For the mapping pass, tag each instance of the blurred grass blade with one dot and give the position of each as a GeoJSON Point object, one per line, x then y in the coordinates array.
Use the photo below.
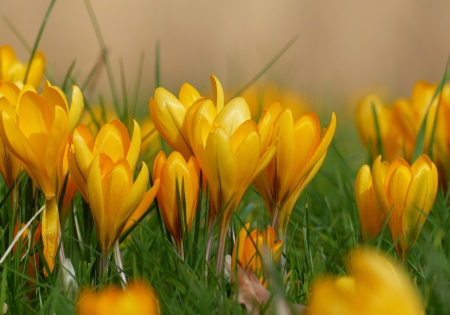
{"type": "Point", "coordinates": [377, 130]}
{"type": "Point", "coordinates": [157, 64]}
{"type": "Point", "coordinates": [104, 54]}
{"type": "Point", "coordinates": [419, 148]}
{"type": "Point", "coordinates": [38, 39]}
{"type": "Point", "coordinates": [267, 67]}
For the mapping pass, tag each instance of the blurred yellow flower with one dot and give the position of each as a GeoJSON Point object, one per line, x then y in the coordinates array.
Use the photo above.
{"type": "Point", "coordinates": [408, 192]}
{"type": "Point", "coordinates": [391, 138]}
{"type": "Point", "coordinates": [138, 298]}
{"type": "Point", "coordinates": [38, 136]}
{"type": "Point", "coordinates": [301, 149]}
{"type": "Point", "coordinates": [371, 215]}
{"type": "Point", "coordinates": [252, 248]}
{"type": "Point", "coordinates": [12, 70]}
{"type": "Point", "coordinates": [175, 176]}
{"type": "Point", "coordinates": [375, 286]}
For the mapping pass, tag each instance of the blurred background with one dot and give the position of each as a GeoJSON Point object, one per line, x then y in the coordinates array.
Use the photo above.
{"type": "Point", "coordinates": [344, 49]}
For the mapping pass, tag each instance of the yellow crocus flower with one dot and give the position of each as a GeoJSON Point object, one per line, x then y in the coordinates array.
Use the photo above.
{"type": "Point", "coordinates": [112, 139]}
{"type": "Point", "coordinates": [113, 197]}
{"type": "Point", "coordinates": [251, 248]}
{"type": "Point", "coordinates": [9, 164]}
{"type": "Point", "coordinates": [375, 286]}
{"type": "Point", "coordinates": [12, 70]}
{"type": "Point", "coordinates": [174, 175]}
{"type": "Point", "coordinates": [169, 116]}
{"type": "Point", "coordinates": [230, 151]}
{"type": "Point", "coordinates": [301, 149]}
{"type": "Point", "coordinates": [138, 298]}
{"type": "Point", "coordinates": [408, 192]}
{"type": "Point", "coordinates": [38, 136]}
{"type": "Point", "coordinates": [371, 215]}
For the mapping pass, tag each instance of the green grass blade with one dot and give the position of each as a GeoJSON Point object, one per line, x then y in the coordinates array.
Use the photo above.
{"type": "Point", "coordinates": [157, 64]}
{"type": "Point", "coordinates": [38, 39]}
{"type": "Point", "coordinates": [267, 67]}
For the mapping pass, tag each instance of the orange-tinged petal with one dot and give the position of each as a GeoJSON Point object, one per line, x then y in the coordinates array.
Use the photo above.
{"type": "Point", "coordinates": [158, 165]}
{"type": "Point", "coordinates": [238, 248]}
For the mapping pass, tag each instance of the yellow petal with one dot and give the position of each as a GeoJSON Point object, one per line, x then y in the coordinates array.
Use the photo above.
{"type": "Point", "coordinates": [16, 142]}
{"type": "Point", "coordinates": [36, 72]}
{"type": "Point", "coordinates": [188, 95]}
{"type": "Point", "coordinates": [247, 158]}
{"type": "Point", "coordinates": [95, 196]}
{"type": "Point", "coordinates": [168, 115]}
{"type": "Point", "coordinates": [135, 146]}
{"type": "Point", "coordinates": [110, 141]}
{"type": "Point", "coordinates": [54, 153]}
{"type": "Point", "coordinates": [11, 92]}
{"type": "Point", "coordinates": [143, 206]}
{"type": "Point", "coordinates": [54, 96]}
{"type": "Point", "coordinates": [133, 198]}
{"type": "Point", "coordinates": [379, 171]}
{"type": "Point", "coordinates": [219, 98]}
{"type": "Point", "coordinates": [220, 168]}
{"type": "Point", "coordinates": [233, 115]}
{"type": "Point", "coordinates": [76, 107]}
{"type": "Point", "coordinates": [50, 231]}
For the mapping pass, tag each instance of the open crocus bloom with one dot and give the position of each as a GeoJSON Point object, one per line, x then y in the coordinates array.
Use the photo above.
{"type": "Point", "coordinates": [301, 149]}
{"type": "Point", "coordinates": [12, 70]}
{"type": "Point", "coordinates": [408, 192]}
{"type": "Point", "coordinates": [230, 151]}
{"type": "Point", "coordinates": [113, 197]}
{"type": "Point", "coordinates": [113, 140]}
{"type": "Point", "coordinates": [36, 132]}
{"type": "Point", "coordinates": [176, 176]}
{"type": "Point", "coordinates": [251, 248]}
{"type": "Point", "coordinates": [375, 286]}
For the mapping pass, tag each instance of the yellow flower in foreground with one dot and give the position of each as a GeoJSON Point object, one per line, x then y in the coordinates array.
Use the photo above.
{"type": "Point", "coordinates": [137, 299]}
{"type": "Point", "coordinates": [38, 136]}
{"type": "Point", "coordinates": [113, 197]}
{"type": "Point", "coordinates": [12, 70]}
{"type": "Point", "coordinates": [251, 248]}
{"type": "Point", "coordinates": [371, 215]}
{"type": "Point", "coordinates": [301, 149]}
{"type": "Point", "coordinates": [169, 116]}
{"type": "Point", "coordinates": [375, 286]}
{"type": "Point", "coordinates": [113, 140]}
{"type": "Point", "coordinates": [408, 192]}
{"type": "Point", "coordinates": [388, 128]}
{"type": "Point", "coordinates": [231, 152]}
{"type": "Point", "coordinates": [176, 176]}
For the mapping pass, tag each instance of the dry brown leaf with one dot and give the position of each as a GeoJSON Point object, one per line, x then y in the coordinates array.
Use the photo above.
{"type": "Point", "coordinates": [254, 295]}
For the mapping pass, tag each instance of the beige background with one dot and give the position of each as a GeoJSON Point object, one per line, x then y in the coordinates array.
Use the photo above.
{"type": "Point", "coordinates": [344, 49]}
